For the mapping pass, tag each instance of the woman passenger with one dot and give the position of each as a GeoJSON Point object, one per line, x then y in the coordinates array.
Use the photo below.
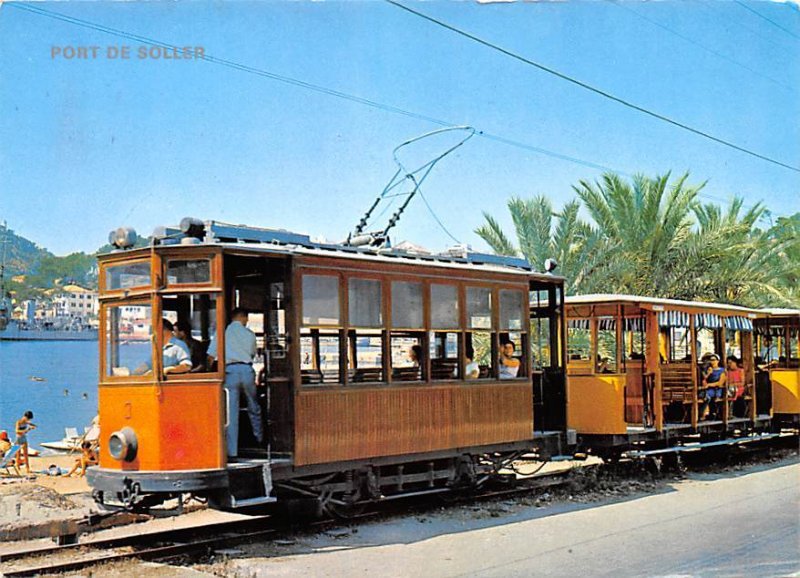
{"type": "Point", "coordinates": [714, 380]}
{"type": "Point", "coordinates": [736, 385]}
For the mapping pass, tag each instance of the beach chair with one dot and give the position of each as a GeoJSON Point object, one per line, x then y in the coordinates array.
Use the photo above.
{"type": "Point", "coordinates": [9, 459]}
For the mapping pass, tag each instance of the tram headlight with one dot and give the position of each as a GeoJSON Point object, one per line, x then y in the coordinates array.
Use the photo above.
{"type": "Point", "coordinates": [122, 445]}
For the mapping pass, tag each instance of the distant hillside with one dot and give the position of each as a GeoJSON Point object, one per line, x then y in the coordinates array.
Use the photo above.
{"type": "Point", "coordinates": [22, 256]}
{"type": "Point", "coordinates": [36, 269]}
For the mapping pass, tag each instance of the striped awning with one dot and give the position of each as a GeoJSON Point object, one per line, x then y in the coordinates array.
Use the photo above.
{"type": "Point", "coordinates": [707, 321]}
{"type": "Point", "coordinates": [634, 324]}
{"type": "Point", "coordinates": [673, 319]}
{"type": "Point", "coordinates": [774, 330]}
{"type": "Point", "coordinates": [608, 324]}
{"type": "Point", "coordinates": [738, 323]}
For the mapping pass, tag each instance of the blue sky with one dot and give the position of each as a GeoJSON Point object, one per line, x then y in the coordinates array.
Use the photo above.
{"type": "Point", "coordinates": [89, 145]}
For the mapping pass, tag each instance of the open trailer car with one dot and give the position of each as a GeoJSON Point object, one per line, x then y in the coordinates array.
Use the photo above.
{"type": "Point", "coordinates": [636, 369]}
{"type": "Point", "coordinates": [350, 415]}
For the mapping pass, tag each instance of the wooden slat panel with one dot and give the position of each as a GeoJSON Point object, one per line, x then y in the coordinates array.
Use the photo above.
{"type": "Point", "coordinates": [358, 423]}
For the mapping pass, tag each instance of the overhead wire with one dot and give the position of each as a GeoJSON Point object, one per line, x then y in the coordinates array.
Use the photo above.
{"type": "Point", "coordinates": [590, 88]}
{"type": "Point", "coordinates": [325, 90]}
{"type": "Point", "coordinates": [693, 42]}
{"type": "Point", "coordinates": [706, 4]}
{"type": "Point", "coordinates": [770, 20]}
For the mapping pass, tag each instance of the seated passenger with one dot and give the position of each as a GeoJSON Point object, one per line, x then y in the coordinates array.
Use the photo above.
{"type": "Point", "coordinates": [183, 334]}
{"type": "Point", "coordinates": [509, 365]}
{"type": "Point", "coordinates": [736, 386]}
{"type": "Point", "coordinates": [415, 355]}
{"type": "Point", "coordinates": [602, 364]}
{"type": "Point", "coordinates": [713, 387]}
{"type": "Point", "coordinates": [175, 358]}
{"type": "Point", "coordinates": [471, 369]}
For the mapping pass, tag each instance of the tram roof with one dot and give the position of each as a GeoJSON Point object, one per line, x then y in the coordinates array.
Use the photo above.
{"type": "Point", "coordinates": [244, 239]}
{"type": "Point", "coordinates": [667, 303]}
{"type": "Point", "coordinates": [781, 312]}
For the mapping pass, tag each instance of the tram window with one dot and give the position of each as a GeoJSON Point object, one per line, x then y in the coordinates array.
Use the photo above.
{"type": "Point", "coordinates": [365, 356]}
{"type": "Point", "coordinates": [407, 305]}
{"type": "Point", "coordinates": [182, 271]}
{"type": "Point", "coordinates": [276, 363]}
{"type": "Point", "coordinates": [194, 317]}
{"type": "Point", "coordinates": [364, 303]}
{"type": "Point", "coordinates": [408, 356]}
{"type": "Point", "coordinates": [481, 345]}
{"type": "Point", "coordinates": [128, 339]}
{"type": "Point", "coordinates": [511, 310]}
{"type": "Point", "coordinates": [320, 300]}
{"type": "Point", "coordinates": [733, 343]}
{"type": "Point", "coordinates": [128, 275]}
{"type": "Point", "coordinates": [319, 357]}
{"type": "Point", "coordinates": [706, 343]}
{"type": "Point", "coordinates": [540, 342]}
{"type": "Point", "coordinates": [579, 343]}
{"type": "Point", "coordinates": [444, 355]}
{"type": "Point", "coordinates": [633, 340]}
{"type": "Point", "coordinates": [793, 355]}
{"type": "Point", "coordinates": [479, 308]}
{"type": "Point", "coordinates": [679, 344]}
{"type": "Point", "coordinates": [606, 361]}
{"type": "Point", "coordinates": [444, 307]}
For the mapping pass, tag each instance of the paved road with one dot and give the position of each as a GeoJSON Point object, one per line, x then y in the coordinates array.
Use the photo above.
{"type": "Point", "coordinates": [746, 525]}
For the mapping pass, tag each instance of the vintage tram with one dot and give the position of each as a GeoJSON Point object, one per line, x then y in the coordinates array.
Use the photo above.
{"type": "Point", "coordinates": [635, 375]}
{"type": "Point", "coordinates": [350, 414]}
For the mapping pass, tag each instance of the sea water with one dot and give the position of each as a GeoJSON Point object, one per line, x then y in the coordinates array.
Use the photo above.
{"type": "Point", "coordinates": [66, 398]}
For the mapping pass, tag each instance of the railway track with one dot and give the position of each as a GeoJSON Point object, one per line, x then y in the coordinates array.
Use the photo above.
{"type": "Point", "coordinates": [165, 545]}
{"type": "Point", "coordinates": [171, 544]}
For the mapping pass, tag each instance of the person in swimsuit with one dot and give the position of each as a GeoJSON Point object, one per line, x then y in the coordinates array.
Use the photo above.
{"type": "Point", "coordinates": [22, 427]}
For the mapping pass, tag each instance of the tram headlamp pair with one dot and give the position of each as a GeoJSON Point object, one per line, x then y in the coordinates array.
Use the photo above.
{"type": "Point", "coordinates": [122, 445]}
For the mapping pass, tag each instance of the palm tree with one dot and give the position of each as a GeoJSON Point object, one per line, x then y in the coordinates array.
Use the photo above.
{"type": "Point", "coordinates": [652, 237]}
{"type": "Point", "coordinates": [543, 233]}
{"type": "Point", "coordinates": [644, 224]}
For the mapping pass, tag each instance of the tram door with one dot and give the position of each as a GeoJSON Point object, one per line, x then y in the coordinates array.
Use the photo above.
{"type": "Point", "coordinates": [549, 376]}
{"type": "Point", "coordinates": [260, 285]}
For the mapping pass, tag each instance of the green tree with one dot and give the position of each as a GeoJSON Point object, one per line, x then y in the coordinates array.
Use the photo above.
{"type": "Point", "coordinates": [543, 233]}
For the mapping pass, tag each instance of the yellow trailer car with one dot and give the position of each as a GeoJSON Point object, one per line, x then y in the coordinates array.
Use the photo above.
{"type": "Point", "coordinates": [647, 373]}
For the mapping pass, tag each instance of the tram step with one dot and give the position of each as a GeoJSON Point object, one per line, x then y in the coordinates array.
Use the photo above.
{"type": "Point", "coordinates": [250, 484]}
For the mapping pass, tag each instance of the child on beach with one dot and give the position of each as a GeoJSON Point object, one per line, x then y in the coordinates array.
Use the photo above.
{"type": "Point", "coordinates": [87, 458]}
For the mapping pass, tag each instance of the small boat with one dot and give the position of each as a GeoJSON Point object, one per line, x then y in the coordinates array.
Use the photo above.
{"type": "Point", "coordinates": [37, 378]}
{"type": "Point", "coordinates": [70, 442]}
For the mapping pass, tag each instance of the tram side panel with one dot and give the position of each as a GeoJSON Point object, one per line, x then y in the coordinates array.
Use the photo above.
{"type": "Point", "coordinates": [786, 394]}
{"type": "Point", "coordinates": [344, 425]}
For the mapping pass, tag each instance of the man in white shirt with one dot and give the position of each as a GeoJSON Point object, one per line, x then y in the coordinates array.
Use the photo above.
{"type": "Point", "coordinates": [768, 353]}
{"type": "Point", "coordinates": [240, 349]}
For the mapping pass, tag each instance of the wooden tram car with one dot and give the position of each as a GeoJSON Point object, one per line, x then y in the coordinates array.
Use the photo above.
{"type": "Point", "coordinates": [634, 373]}
{"type": "Point", "coordinates": [348, 416]}
{"type": "Point", "coordinates": [777, 335]}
